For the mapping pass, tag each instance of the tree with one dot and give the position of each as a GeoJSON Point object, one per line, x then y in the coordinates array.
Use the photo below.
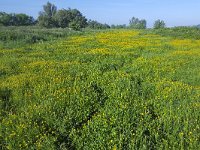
{"type": "Point", "coordinates": [72, 18]}
{"type": "Point", "coordinates": [5, 19]}
{"type": "Point", "coordinates": [49, 9]}
{"type": "Point", "coordinates": [158, 24]}
{"type": "Point", "coordinates": [76, 17]}
{"type": "Point", "coordinates": [96, 25]}
{"type": "Point", "coordinates": [137, 24]}
{"type": "Point", "coordinates": [23, 20]}
{"type": "Point", "coordinates": [15, 19]}
{"type": "Point", "coordinates": [62, 18]}
{"type": "Point", "coordinates": [46, 17]}
{"type": "Point", "coordinates": [123, 26]}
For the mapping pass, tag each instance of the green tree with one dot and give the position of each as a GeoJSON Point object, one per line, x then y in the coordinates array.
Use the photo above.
{"type": "Point", "coordinates": [137, 23]}
{"type": "Point", "coordinates": [96, 25]}
{"type": "Point", "coordinates": [46, 17]}
{"type": "Point", "coordinates": [62, 18]}
{"type": "Point", "coordinates": [123, 26]}
{"type": "Point", "coordinates": [5, 19]}
{"type": "Point", "coordinates": [15, 19]}
{"type": "Point", "coordinates": [77, 17]}
{"type": "Point", "coordinates": [72, 18]}
{"type": "Point", "coordinates": [74, 25]}
{"type": "Point", "coordinates": [23, 20]}
{"type": "Point", "coordinates": [158, 24]}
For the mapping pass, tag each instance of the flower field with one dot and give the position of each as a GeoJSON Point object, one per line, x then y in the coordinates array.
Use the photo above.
{"type": "Point", "coordinates": [115, 89]}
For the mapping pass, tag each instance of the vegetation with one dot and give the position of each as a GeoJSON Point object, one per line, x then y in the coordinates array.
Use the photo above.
{"type": "Point", "coordinates": [15, 19]}
{"type": "Point", "coordinates": [179, 32]}
{"type": "Point", "coordinates": [66, 18]}
{"type": "Point", "coordinates": [46, 17]}
{"type": "Point", "coordinates": [119, 26]}
{"type": "Point", "coordinates": [158, 24]}
{"type": "Point", "coordinates": [111, 89]}
{"type": "Point", "coordinates": [136, 23]}
{"type": "Point", "coordinates": [118, 88]}
{"type": "Point", "coordinates": [71, 18]}
{"type": "Point", "coordinates": [16, 37]}
{"type": "Point", "coordinates": [96, 25]}
{"type": "Point", "coordinates": [50, 17]}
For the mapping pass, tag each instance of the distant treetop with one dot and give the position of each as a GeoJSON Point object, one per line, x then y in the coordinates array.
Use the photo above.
{"type": "Point", "coordinates": [136, 23]}
{"type": "Point", "coordinates": [13, 19]}
{"type": "Point", "coordinates": [158, 24]}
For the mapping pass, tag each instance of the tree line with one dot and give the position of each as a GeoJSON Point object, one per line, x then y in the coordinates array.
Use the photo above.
{"type": "Point", "coordinates": [50, 17]}
{"type": "Point", "coordinates": [16, 19]}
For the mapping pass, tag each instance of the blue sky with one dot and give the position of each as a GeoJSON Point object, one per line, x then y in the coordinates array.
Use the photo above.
{"type": "Point", "coordinates": [173, 12]}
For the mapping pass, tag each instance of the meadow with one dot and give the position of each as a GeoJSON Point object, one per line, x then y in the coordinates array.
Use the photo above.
{"type": "Point", "coordinates": [111, 89]}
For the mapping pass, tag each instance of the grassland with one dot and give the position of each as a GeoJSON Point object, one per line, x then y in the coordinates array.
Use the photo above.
{"type": "Point", "coordinates": [115, 89]}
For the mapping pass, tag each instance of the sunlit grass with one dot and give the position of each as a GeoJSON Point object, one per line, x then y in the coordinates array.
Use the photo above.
{"type": "Point", "coordinates": [119, 89]}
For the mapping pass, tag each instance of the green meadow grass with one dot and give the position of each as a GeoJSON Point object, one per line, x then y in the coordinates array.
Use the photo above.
{"type": "Point", "coordinates": [115, 89]}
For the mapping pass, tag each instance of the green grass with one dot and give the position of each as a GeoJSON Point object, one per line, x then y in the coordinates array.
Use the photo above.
{"type": "Point", "coordinates": [180, 32]}
{"type": "Point", "coordinates": [12, 37]}
{"type": "Point", "coordinates": [115, 89]}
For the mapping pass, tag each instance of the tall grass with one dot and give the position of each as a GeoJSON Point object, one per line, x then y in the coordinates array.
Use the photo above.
{"type": "Point", "coordinates": [180, 32]}
{"type": "Point", "coordinates": [12, 37]}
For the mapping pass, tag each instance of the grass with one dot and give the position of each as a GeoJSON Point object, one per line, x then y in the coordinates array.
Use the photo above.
{"type": "Point", "coordinates": [16, 37]}
{"type": "Point", "coordinates": [115, 89]}
{"type": "Point", "coordinates": [180, 32]}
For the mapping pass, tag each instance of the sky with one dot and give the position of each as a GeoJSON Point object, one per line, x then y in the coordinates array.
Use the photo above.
{"type": "Point", "coordinates": [173, 12]}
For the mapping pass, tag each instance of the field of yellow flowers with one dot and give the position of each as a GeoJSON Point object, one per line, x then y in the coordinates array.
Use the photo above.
{"type": "Point", "coordinates": [115, 89]}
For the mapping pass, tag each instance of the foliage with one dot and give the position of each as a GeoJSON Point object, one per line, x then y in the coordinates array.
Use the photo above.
{"type": "Point", "coordinates": [118, 26]}
{"type": "Point", "coordinates": [12, 37]}
{"type": "Point", "coordinates": [63, 18]}
{"type": "Point", "coordinates": [135, 23]}
{"type": "Point", "coordinates": [179, 32]}
{"type": "Point", "coordinates": [114, 89]}
{"type": "Point", "coordinates": [74, 25]}
{"type": "Point", "coordinates": [198, 26]}
{"type": "Point", "coordinates": [72, 18]}
{"type": "Point", "coordinates": [46, 17]}
{"type": "Point", "coordinates": [159, 24]}
{"type": "Point", "coordinates": [92, 24]}
{"type": "Point", "coordinates": [16, 19]}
